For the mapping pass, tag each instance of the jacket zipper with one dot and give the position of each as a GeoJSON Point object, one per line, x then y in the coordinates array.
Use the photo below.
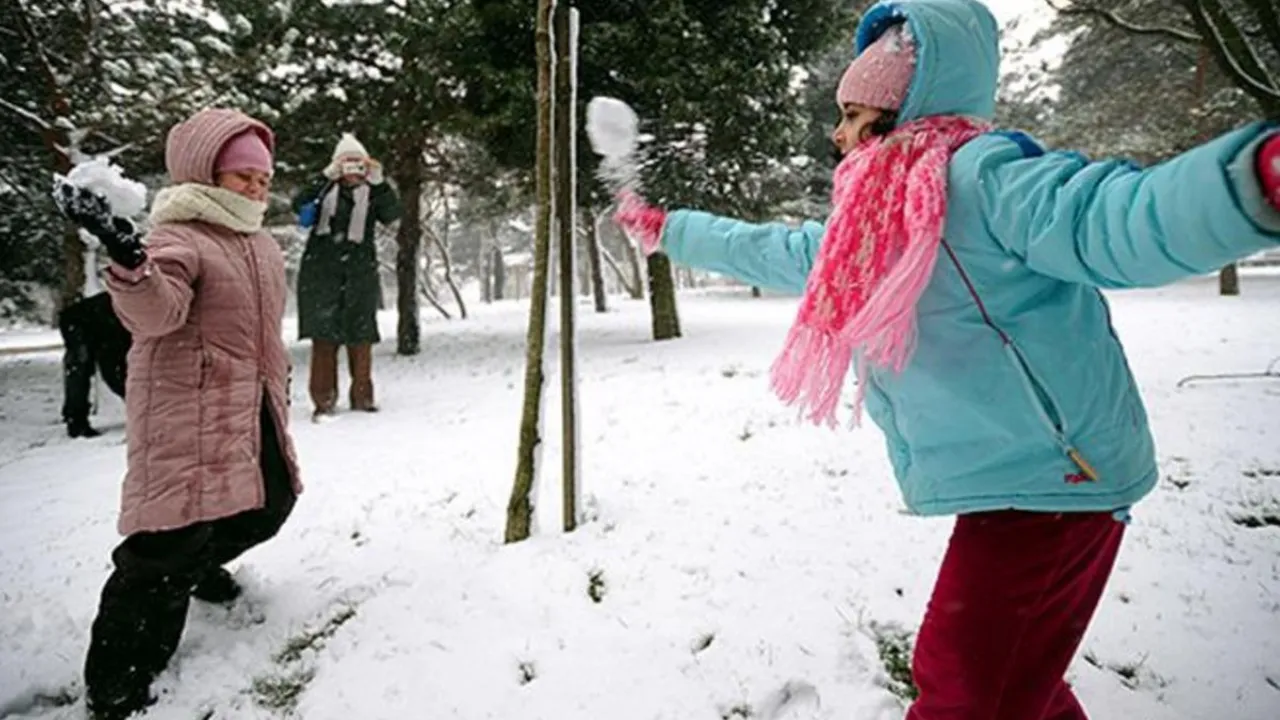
{"type": "Point", "coordinates": [1039, 395]}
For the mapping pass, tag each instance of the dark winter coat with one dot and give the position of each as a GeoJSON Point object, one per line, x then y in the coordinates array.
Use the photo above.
{"type": "Point", "coordinates": [339, 292]}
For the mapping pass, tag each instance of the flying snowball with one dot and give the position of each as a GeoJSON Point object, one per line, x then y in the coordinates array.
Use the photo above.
{"type": "Point", "coordinates": [612, 127]}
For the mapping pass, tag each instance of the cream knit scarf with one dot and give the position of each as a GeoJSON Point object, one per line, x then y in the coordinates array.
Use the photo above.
{"type": "Point", "coordinates": [208, 203]}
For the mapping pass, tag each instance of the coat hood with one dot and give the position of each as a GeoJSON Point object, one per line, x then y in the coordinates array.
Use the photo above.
{"type": "Point", "coordinates": [957, 55]}
{"type": "Point", "coordinates": [193, 144]}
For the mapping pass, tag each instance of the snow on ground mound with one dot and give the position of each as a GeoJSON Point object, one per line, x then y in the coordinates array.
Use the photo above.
{"type": "Point", "coordinates": [734, 564]}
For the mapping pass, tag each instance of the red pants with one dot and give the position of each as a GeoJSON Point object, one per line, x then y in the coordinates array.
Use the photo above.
{"type": "Point", "coordinates": [1014, 596]}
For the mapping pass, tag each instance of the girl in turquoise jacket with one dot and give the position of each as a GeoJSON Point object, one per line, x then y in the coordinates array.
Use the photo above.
{"type": "Point", "coordinates": [959, 275]}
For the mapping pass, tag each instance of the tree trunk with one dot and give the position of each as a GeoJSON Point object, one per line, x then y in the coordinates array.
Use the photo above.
{"type": "Point", "coordinates": [486, 275]}
{"type": "Point", "coordinates": [637, 278]}
{"type": "Point", "coordinates": [566, 218]}
{"type": "Point", "coordinates": [55, 139]}
{"type": "Point", "coordinates": [73, 269]}
{"type": "Point", "coordinates": [427, 288]}
{"type": "Point", "coordinates": [442, 243]}
{"type": "Point", "coordinates": [448, 274]}
{"type": "Point", "coordinates": [583, 268]}
{"type": "Point", "coordinates": [408, 248]}
{"type": "Point", "coordinates": [593, 259]}
{"type": "Point", "coordinates": [662, 298]}
{"type": "Point", "coordinates": [520, 506]}
{"type": "Point", "coordinates": [1229, 280]}
{"type": "Point", "coordinates": [499, 273]}
{"type": "Point", "coordinates": [635, 292]}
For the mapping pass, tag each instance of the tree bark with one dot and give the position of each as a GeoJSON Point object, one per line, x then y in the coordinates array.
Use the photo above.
{"type": "Point", "coordinates": [408, 247]}
{"type": "Point", "coordinates": [637, 278]}
{"type": "Point", "coordinates": [662, 298]}
{"type": "Point", "coordinates": [520, 506]}
{"type": "Point", "coordinates": [593, 257]}
{"type": "Point", "coordinates": [583, 269]}
{"type": "Point", "coordinates": [566, 236]}
{"type": "Point", "coordinates": [442, 243]}
{"type": "Point", "coordinates": [448, 273]}
{"type": "Point", "coordinates": [1229, 280]}
{"type": "Point", "coordinates": [54, 139]}
{"type": "Point", "coordinates": [486, 275]}
{"type": "Point", "coordinates": [499, 263]}
{"type": "Point", "coordinates": [635, 292]}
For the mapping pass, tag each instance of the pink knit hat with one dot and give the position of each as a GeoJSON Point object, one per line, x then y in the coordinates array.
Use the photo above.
{"type": "Point", "coordinates": [881, 75]}
{"type": "Point", "coordinates": [245, 151]}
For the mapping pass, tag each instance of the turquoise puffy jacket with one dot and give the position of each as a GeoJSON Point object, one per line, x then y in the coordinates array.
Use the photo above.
{"type": "Point", "coordinates": [1019, 395]}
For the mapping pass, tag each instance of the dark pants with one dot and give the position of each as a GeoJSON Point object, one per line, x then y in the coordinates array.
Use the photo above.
{"type": "Point", "coordinates": [1013, 599]}
{"type": "Point", "coordinates": [144, 602]}
{"type": "Point", "coordinates": [94, 341]}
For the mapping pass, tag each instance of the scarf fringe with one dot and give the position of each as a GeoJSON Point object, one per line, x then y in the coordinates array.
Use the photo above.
{"type": "Point", "coordinates": [811, 370]}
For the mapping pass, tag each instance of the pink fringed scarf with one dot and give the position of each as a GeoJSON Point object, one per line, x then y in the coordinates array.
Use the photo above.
{"type": "Point", "coordinates": [878, 254]}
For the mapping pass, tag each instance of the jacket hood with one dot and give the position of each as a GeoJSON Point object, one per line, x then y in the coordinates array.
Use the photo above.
{"type": "Point", "coordinates": [193, 144]}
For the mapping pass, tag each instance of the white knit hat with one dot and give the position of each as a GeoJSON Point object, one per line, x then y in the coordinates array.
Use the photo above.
{"type": "Point", "coordinates": [349, 147]}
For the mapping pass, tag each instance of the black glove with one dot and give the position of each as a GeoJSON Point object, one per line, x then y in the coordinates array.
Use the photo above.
{"type": "Point", "coordinates": [92, 212]}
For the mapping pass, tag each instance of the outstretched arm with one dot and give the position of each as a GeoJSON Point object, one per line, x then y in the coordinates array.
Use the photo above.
{"type": "Point", "coordinates": [1111, 224]}
{"type": "Point", "coordinates": [770, 255]}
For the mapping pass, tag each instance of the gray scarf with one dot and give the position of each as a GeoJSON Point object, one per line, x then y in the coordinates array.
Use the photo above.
{"type": "Point", "coordinates": [359, 211]}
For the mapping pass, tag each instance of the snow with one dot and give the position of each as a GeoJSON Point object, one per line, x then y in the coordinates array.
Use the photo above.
{"type": "Point", "coordinates": [128, 198]}
{"type": "Point", "coordinates": [741, 558]}
{"type": "Point", "coordinates": [612, 127]}
{"type": "Point", "coordinates": [184, 45]}
{"type": "Point", "coordinates": [217, 44]}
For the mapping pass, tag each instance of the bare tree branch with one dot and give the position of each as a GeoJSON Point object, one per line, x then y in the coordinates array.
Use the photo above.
{"type": "Point", "coordinates": [46, 68]}
{"type": "Point", "coordinates": [1269, 18]}
{"type": "Point", "coordinates": [20, 190]}
{"type": "Point", "coordinates": [1234, 53]}
{"type": "Point", "coordinates": [1114, 19]}
{"type": "Point", "coordinates": [27, 115]}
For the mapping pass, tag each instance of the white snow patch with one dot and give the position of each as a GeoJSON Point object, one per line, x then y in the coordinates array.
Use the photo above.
{"type": "Point", "coordinates": [128, 198]}
{"type": "Point", "coordinates": [739, 557]}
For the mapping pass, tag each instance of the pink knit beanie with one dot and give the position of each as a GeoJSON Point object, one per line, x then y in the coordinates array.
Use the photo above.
{"type": "Point", "coordinates": [245, 151]}
{"type": "Point", "coordinates": [881, 75]}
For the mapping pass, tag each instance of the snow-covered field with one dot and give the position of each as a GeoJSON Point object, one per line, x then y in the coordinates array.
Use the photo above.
{"type": "Point", "coordinates": [735, 564]}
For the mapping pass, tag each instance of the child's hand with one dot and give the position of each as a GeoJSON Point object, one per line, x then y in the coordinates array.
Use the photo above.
{"type": "Point", "coordinates": [640, 221]}
{"type": "Point", "coordinates": [1269, 169]}
{"type": "Point", "coordinates": [91, 211]}
{"type": "Point", "coordinates": [84, 207]}
{"type": "Point", "coordinates": [375, 175]}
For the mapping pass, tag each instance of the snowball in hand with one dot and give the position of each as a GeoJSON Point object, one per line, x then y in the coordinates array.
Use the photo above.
{"type": "Point", "coordinates": [128, 198]}
{"type": "Point", "coordinates": [612, 127]}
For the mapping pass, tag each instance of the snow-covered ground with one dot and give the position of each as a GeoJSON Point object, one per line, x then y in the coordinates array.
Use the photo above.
{"type": "Point", "coordinates": [737, 558]}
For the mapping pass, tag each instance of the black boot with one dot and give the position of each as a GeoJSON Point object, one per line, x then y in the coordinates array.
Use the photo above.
{"type": "Point", "coordinates": [81, 429]}
{"type": "Point", "coordinates": [122, 710]}
{"type": "Point", "coordinates": [217, 587]}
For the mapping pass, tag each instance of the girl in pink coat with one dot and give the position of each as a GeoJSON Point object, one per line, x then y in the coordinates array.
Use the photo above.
{"type": "Point", "coordinates": [211, 470]}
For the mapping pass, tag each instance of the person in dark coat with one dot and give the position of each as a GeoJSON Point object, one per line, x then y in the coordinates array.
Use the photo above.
{"type": "Point", "coordinates": [94, 340]}
{"type": "Point", "coordinates": [339, 292]}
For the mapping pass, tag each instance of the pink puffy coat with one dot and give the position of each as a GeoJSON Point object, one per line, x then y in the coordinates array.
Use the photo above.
{"type": "Point", "coordinates": [205, 313]}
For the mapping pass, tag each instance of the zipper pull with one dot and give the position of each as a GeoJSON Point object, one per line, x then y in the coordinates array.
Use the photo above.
{"type": "Point", "coordinates": [1083, 464]}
